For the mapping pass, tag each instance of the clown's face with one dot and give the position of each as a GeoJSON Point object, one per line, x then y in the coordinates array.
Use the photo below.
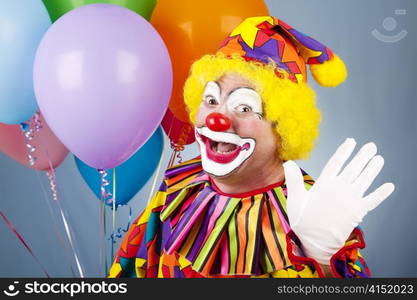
{"type": "Point", "coordinates": [234, 137]}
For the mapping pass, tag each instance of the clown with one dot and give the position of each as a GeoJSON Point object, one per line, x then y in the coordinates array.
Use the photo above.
{"type": "Point", "coordinates": [244, 208]}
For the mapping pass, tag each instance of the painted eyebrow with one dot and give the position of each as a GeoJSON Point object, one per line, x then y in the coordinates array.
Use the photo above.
{"type": "Point", "coordinates": [241, 87]}
{"type": "Point", "coordinates": [211, 94]}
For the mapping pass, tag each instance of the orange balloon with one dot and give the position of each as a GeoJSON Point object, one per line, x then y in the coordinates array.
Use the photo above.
{"type": "Point", "coordinates": [193, 28]}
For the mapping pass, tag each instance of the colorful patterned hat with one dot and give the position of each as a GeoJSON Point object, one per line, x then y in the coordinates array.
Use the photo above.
{"type": "Point", "coordinates": [266, 39]}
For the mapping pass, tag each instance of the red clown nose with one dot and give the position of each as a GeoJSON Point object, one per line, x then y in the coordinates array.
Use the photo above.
{"type": "Point", "coordinates": [218, 122]}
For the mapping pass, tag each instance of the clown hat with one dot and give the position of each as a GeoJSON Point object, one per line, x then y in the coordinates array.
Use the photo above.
{"type": "Point", "coordinates": [268, 39]}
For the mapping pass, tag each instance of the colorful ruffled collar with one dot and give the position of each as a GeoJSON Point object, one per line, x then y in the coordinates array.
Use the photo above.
{"type": "Point", "coordinates": [224, 234]}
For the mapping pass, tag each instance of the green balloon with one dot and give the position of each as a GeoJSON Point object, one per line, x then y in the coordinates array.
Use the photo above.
{"type": "Point", "coordinates": [57, 8]}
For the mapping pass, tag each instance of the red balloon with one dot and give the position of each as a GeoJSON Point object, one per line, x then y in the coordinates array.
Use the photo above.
{"type": "Point", "coordinates": [218, 122]}
{"type": "Point", "coordinates": [47, 146]}
{"type": "Point", "coordinates": [180, 133]}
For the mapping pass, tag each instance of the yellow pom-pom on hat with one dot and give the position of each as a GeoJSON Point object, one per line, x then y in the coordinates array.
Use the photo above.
{"type": "Point", "coordinates": [330, 73]}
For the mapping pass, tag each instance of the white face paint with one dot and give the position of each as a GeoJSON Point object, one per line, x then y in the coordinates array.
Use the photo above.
{"type": "Point", "coordinates": [224, 152]}
{"type": "Point", "coordinates": [245, 100]}
{"type": "Point", "coordinates": [222, 163]}
{"type": "Point", "coordinates": [211, 92]}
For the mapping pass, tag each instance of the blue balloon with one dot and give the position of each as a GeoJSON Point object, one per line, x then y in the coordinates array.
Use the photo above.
{"type": "Point", "coordinates": [132, 175]}
{"type": "Point", "coordinates": [22, 26]}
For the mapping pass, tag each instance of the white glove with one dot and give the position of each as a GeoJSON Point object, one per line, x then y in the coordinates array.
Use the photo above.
{"type": "Point", "coordinates": [324, 216]}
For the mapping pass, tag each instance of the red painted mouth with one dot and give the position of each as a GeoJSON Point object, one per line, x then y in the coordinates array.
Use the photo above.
{"type": "Point", "coordinates": [221, 152]}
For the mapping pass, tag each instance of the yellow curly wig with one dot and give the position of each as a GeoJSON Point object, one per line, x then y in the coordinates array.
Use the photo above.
{"type": "Point", "coordinates": [290, 105]}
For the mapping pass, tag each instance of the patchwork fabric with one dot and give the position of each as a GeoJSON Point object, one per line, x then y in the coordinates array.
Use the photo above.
{"type": "Point", "coordinates": [190, 229]}
{"type": "Point", "coordinates": [263, 39]}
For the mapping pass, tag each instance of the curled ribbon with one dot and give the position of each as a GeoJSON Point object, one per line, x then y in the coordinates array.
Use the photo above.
{"type": "Point", "coordinates": [177, 153]}
{"type": "Point", "coordinates": [119, 232]}
{"type": "Point", "coordinates": [29, 129]}
{"type": "Point", "coordinates": [52, 183]}
{"type": "Point", "coordinates": [106, 196]}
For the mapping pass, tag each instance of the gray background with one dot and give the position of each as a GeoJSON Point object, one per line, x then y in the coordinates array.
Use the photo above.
{"type": "Point", "coordinates": [376, 103]}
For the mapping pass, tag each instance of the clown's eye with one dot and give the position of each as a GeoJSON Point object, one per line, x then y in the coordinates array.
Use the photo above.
{"type": "Point", "coordinates": [244, 108]}
{"type": "Point", "coordinates": [211, 100]}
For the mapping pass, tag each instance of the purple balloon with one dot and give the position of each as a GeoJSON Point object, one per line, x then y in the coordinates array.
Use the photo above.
{"type": "Point", "coordinates": [103, 79]}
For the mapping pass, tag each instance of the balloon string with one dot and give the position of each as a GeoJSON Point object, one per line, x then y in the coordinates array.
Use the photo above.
{"type": "Point", "coordinates": [60, 238]}
{"type": "Point", "coordinates": [106, 196]}
{"type": "Point", "coordinates": [172, 159]}
{"type": "Point", "coordinates": [53, 187]}
{"type": "Point", "coordinates": [158, 169]}
{"type": "Point", "coordinates": [70, 238]}
{"type": "Point", "coordinates": [52, 183]}
{"type": "Point", "coordinates": [29, 128]}
{"type": "Point", "coordinates": [119, 232]}
{"type": "Point", "coordinates": [52, 178]}
{"type": "Point", "coordinates": [179, 157]}
{"type": "Point", "coordinates": [104, 241]}
{"type": "Point", "coordinates": [176, 154]}
{"type": "Point", "coordinates": [114, 210]}
{"type": "Point", "coordinates": [9, 224]}
{"type": "Point", "coordinates": [57, 232]}
{"type": "Point", "coordinates": [102, 256]}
